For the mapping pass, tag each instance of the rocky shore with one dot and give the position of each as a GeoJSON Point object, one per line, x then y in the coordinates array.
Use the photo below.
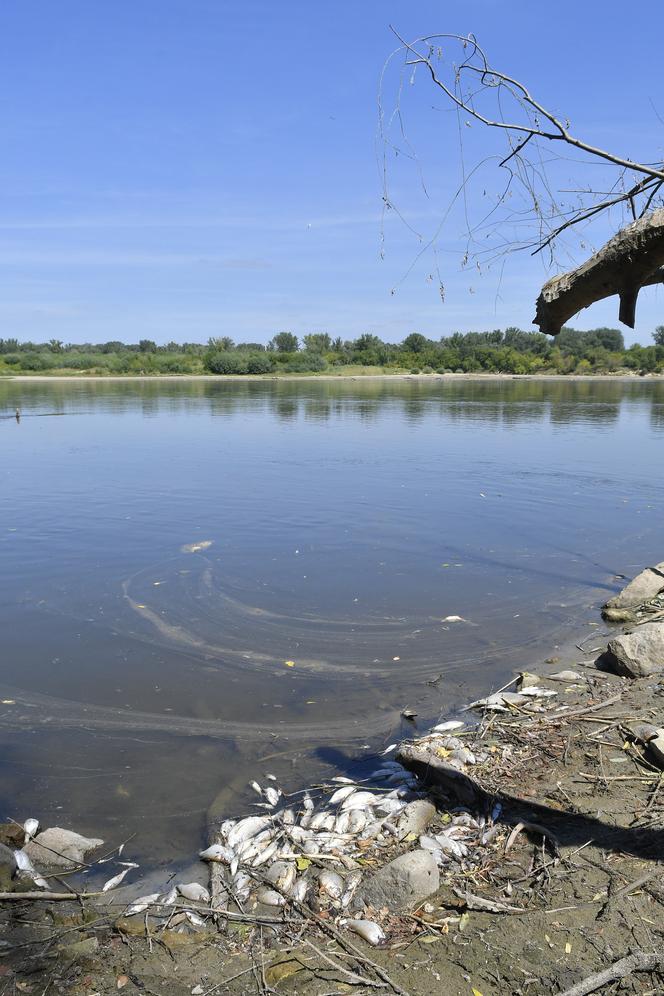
{"type": "Point", "coordinates": [515, 848]}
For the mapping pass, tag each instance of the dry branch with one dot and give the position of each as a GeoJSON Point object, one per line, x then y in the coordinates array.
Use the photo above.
{"type": "Point", "coordinates": [632, 259]}
{"type": "Point", "coordinates": [637, 962]}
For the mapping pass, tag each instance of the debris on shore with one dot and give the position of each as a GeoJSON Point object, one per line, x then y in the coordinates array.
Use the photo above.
{"type": "Point", "coordinates": [515, 848]}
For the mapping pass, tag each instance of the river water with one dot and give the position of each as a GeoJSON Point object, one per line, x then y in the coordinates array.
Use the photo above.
{"type": "Point", "coordinates": [204, 581]}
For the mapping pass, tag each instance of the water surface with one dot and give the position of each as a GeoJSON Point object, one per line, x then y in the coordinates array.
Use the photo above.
{"type": "Point", "coordinates": [204, 581]}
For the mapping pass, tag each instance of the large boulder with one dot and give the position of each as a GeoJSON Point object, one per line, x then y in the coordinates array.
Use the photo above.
{"type": "Point", "coordinates": [58, 848]}
{"type": "Point", "coordinates": [637, 653]}
{"type": "Point", "coordinates": [645, 586]}
{"type": "Point", "coordinates": [408, 879]}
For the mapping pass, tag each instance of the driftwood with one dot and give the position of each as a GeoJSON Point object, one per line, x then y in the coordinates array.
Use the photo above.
{"type": "Point", "coordinates": [637, 962]}
{"type": "Point", "coordinates": [632, 259]}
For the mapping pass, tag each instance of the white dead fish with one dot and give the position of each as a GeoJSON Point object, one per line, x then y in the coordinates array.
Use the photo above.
{"type": "Point", "coordinates": [269, 897]}
{"type": "Point", "coordinates": [565, 676]}
{"type": "Point", "coordinates": [30, 828]}
{"type": "Point", "coordinates": [272, 778]}
{"type": "Point", "coordinates": [429, 843]}
{"type": "Point", "coordinates": [449, 846]}
{"type": "Point", "coordinates": [311, 847]}
{"type": "Point", "coordinates": [246, 828]}
{"type": "Point", "coordinates": [24, 864]}
{"type": "Point", "coordinates": [300, 889]}
{"type": "Point", "coordinates": [342, 780]}
{"type": "Point", "coordinates": [194, 891]}
{"type": "Point", "coordinates": [499, 701]}
{"type": "Point", "coordinates": [359, 800]}
{"type": "Point", "coordinates": [371, 932]}
{"type": "Point", "coordinates": [536, 692]}
{"type": "Point", "coordinates": [256, 787]}
{"type": "Point", "coordinates": [322, 821]}
{"type": "Point", "coordinates": [196, 547]}
{"type": "Point", "coordinates": [194, 918]}
{"type": "Point", "coordinates": [308, 802]}
{"type": "Point", "coordinates": [169, 898]}
{"type": "Point", "coordinates": [388, 750]}
{"type": "Point", "coordinates": [342, 822]}
{"type": "Point", "coordinates": [341, 794]}
{"type": "Point", "coordinates": [242, 885]}
{"type": "Point", "coordinates": [282, 874]}
{"type": "Point", "coordinates": [331, 883]}
{"type": "Point", "coordinates": [357, 821]}
{"type": "Point", "coordinates": [140, 905]}
{"type": "Point", "coordinates": [288, 817]}
{"type": "Point", "coordinates": [454, 619]}
{"type": "Point", "coordinates": [217, 852]}
{"type": "Point", "coordinates": [267, 855]}
{"type": "Point", "coordinates": [272, 795]}
{"type": "Point", "coordinates": [112, 882]}
{"type": "Point", "coordinates": [450, 724]}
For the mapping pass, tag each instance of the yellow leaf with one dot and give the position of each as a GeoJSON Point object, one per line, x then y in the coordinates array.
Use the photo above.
{"type": "Point", "coordinates": [410, 836]}
{"type": "Point", "coordinates": [476, 992]}
{"type": "Point", "coordinates": [443, 752]}
{"type": "Point", "coordinates": [289, 663]}
{"type": "Point", "coordinates": [463, 921]}
{"type": "Point", "coordinates": [302, 864]}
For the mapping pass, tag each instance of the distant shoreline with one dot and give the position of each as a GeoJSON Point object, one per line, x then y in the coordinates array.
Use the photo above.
{"type": "Point", "coordinates": [222, 378]}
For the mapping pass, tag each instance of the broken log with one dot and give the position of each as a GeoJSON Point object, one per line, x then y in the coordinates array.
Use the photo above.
{"type": "Point", "coordinates": [632, 259]}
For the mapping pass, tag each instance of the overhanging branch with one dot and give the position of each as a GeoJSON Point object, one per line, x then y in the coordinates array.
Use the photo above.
{"type": "Point", "coordinates": [632, 259]}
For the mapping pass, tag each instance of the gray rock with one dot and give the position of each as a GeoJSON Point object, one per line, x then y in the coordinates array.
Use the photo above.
{"type": "Point", "coordinates": [58, 848]}
{"type": "Point", "coordinates": [416, 817]}
{"type": "Point", "coordinates": [637, 653]}
{"type": "Point", "coordinates": [7, 859]}
{"type": "Point", "coordinates": [646, 585]}
{"type": "Point", "coordinates": [408, 879]}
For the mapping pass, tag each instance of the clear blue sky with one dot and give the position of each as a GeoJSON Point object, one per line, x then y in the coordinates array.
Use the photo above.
{"type": "Point", "coordinates": [177, 169]}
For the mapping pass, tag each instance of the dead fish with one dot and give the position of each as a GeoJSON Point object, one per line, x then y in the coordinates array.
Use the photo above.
{"type": "Point", "coordinates": [24, 864]}
{"type": "Point", "coordinates": [308, 802]}
{"type": "Point", "coordinates": [299, 834]}
{"type": "Point", "coordinates": [371, 932]}
{"type": "Point", "coordinates": [331, 883]}
{"type": "Point", "coordinates": [30, 828]}
{"type": "Point", "coordinates": [242, 885]}
{"type": "Point", "coordinates": [112, 882]}
{"type": "Point", "coordinates": [388, 750]}
{"type": "Point", "coordinates": [269, 897]}
{"type": "Point", "coordinates": [300, 889]}
{"type": "Point", "coordinates": [408, 713]}
{"type": "Point", "coordinates": [311, 847]}
{"type": "Point", "coordinates": [266, 855]}
{"type": "Point", "coordinates": [246, 828]}
{"type": "Point", "coordinates": [341, 794]}
{"type": "Point", "coordinates": [288, 817]}
{"type": "Point", "coordinates": [449, 846]}
{"type": "Point", "coordinates": [169, 898]}
{"type": "Point", "coordinates": [342, 780]}
{"type": "Point", "coordinates": [194, 891]}
{"type": "Point", "coordinates": [342, 822]}
{"type": "Point", "coordinates": [194, 918]}
{"type": "Point", "coordinates": [322, 821]}
{"type": "Point", "coordinates": [196, 547]}
{"type": "Point", "coordinates": [282, 874]}
{"type": "Point", "coordinates": [272, 795]}
{"type": "Point", "coordinates": [357, 821]}
{"type": "Point", "coordinates": [272, 778]}
{"type": "Point", "coordinates": [390, 806]}
{"type": "Point", "coordinates": [359, 800]}
{"type": "Point", "coordinates": [217, 852]}
{"type": "Point", "coordinates": [256, 787]}
{"type": "Point", "coordinates": [451, 724]}
{"type": "Point", "coordinates": [565, 676]}
{"type": "Point", "coordinates": [140, 905]}
{"type": "Point", "coordinates": [454, 619]}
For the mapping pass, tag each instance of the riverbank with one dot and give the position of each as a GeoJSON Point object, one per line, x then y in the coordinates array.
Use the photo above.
{"type": "Point", "coordinates": [342, 375]}
{"type": "Point", "coordinates": [534, 820]}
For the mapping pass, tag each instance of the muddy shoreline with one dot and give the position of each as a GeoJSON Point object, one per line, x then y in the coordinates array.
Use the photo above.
{"type": "Point", "coordinates": [549, 806]}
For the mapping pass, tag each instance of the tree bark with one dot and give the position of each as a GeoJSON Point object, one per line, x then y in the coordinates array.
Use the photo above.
{"type": "Point", "coordinates": [632, 259]}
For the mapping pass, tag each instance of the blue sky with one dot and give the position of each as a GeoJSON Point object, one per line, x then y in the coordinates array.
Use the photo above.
{"type": "Point", "coordinates": [179, 169]}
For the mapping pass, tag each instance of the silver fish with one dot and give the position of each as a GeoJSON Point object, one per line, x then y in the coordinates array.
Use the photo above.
{"type": "Point", "coordinates": [217, 852]}
{"type": "Point", "coordinates": [195, 892]}
{"type": "Point", "coordinates": [30, 828]}
{"type": "Point", "coordinates": [341, 794]}
{"type": "Point", "coordinates": [367, 929]}
{"type": "Point", "coordinates": [269, 897]}
{"type": "Point", "coordinates": [359, 800]}
{"type": "Point", "coordinates": [248, 827]}
{"type": "Point", "coordinates": [142, 904]}
{"type": "Point", "coordinates": [282, 874]}
{"type": "Point", "coordinates": [112, 882]}
{"type": "Point", "coordinates": [24, 864]}
{"type": "Point", "coordinates": [331, 883]}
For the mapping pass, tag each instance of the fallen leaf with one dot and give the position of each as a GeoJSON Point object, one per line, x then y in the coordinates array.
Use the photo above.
{"type": "Point", "coordinates": [302, 863]}
{"type": "Point", "coordinates": [289, 663]}
{"type": "Point", "coordinates": [122, 981]}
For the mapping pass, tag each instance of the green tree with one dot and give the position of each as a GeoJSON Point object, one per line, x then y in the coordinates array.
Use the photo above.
{"type": "Point", "coordinates": [415, 342]}
{"type": "Point", "coordinates": [317, 342]}
{"type": "Point", "coordinates": [224, 342]}
{"type": "Point", "coordinates": [147, 346]}
{"type": "Point", "coordinates": [658, 335]}
{"type": "Point", "coordinates": [285, 342]}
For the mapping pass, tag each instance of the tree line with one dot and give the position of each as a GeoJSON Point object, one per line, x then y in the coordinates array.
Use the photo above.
{"type": "Point", "coordinates": [511, 351]}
